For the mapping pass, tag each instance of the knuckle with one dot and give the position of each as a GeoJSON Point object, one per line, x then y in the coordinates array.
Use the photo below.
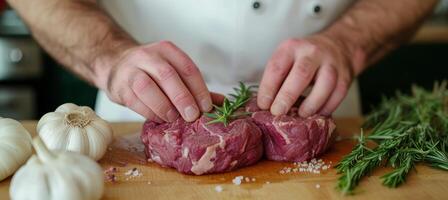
{"type": "Point", "coordinates": [139, 54]}
{"type": "Point", "coordinates": [189, 68]}
{"type": "Point", "coordinates": [165, 73]}
{"type": "Point", "coordinates": [313, 49]}
{"type": "Point", "coordinates": [167, 44]}
{"type": "Point", "coordinates": [141, 83]}
{"type": "Point", "coordinates": [305, 69]}
{"type": "Point", "coordinates": [289, 97]}
{"type": "Point", "coordinates": [161, 107]}
{"type": "Point", "coordinates": [290, 43]}
{"type": "Point", "coordinates": [128, 101]}
{"type": "Point", "coordinates": [182, 98]}
{"type": "Point", "coordinates": [203, 94]}
{"type": "Point", "coordinates": [343, 85]}
{"type": "Point", "coordinates": [277, 68]}
{"type": "Point", "coordinates": [330, 74]}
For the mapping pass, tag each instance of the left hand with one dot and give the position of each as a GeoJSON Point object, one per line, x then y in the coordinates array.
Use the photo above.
{"type": "Point", "coordinates": [296, 65]}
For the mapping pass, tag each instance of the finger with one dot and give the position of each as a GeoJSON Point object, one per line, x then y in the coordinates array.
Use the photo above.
{"type": "Point", "coordinates": [189, 74]}
{"type": "Point", "coordinates": [337, 96]}
{"type": "Point", "coordinates": [149, 93]}
{"type": "Point", "coordinates": [325, 83]}
{"type": "Point", "coordinates": [131, 101]}
{"type": "Point", "coordinates": [297, 81]}
{"type": "Point", "coordinates": [169, 81]}
{"type": "Point", "coordinates": [218, 99]}
{"type": "Point", "coordinates": [273, 76]}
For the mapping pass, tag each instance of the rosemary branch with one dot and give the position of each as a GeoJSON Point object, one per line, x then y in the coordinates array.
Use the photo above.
{"type": "Point", "coordinates": [407, 129]}
{"type": "Point", "coordinates": [228, 111]}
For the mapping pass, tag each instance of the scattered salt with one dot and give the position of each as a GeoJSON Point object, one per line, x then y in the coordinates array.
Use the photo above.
{"type": "Point", "coordinates": [317, 186]}
{"type": "Point", "coordinates": [149, 182]}
{"type": "Point", "coordinates": [134, 172]}
{"type": "Point", "coordinates": [218, 188]}
{"type": "Point", "coordinates": [239, 179]}
{"type": "Point", "coordinates": [267, 182]}
{"type": "Point", "coordinates": [315, 166]}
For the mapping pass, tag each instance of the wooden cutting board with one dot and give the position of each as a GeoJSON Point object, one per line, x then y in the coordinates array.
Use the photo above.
{"type": "Point", "coordinates": [156, 182]}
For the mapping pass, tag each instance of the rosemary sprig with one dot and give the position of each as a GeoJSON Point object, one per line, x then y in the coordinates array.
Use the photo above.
{"type": "Point", "coordinates": [407, 129]}
{"type": "Point", "coordinates": [225, 113]}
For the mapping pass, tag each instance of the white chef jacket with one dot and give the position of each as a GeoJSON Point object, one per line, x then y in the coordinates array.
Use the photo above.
{"type": "Point", "coordinates": [229, 40]}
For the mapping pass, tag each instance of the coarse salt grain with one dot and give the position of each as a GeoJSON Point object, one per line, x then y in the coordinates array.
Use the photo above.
{"type": "Point", "coordinates": [128, 173]}
{"type": "Point", "coordinates": [267, 182]}
{"type": "Point", "coordinates": [317, 186]}
{"type": "Point", "coordinates": [218, 188]}
{"type": "Point", "coordinates": [237, 180]}
{"type": "Point", "coordinates": [253, 179]}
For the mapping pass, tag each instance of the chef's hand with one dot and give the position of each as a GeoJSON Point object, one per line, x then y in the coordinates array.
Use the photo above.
{"type": "Point", "coordinates": [158, 81]}
{"type": "Point", "coordinates": [300, 63]}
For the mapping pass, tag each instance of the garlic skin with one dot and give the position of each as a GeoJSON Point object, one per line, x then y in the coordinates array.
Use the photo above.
{"type": "Point", "coordinates": [15, 146]}
{"type": "Point", "coordinates": [53, 175]}
{"type": "Point", "coordinates": [75, 128]}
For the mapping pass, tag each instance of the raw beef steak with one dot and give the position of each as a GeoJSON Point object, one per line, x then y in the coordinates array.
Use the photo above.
{"type": "Point", "coordinates": [201, 148]}
{"type": "Point", "coordinates": [290, 137]}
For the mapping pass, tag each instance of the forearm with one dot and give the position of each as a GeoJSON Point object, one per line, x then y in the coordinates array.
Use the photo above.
{"type": "Point", "coordinates": [371, 28]}
{"type": "Point", "coordinates": [77, 33]}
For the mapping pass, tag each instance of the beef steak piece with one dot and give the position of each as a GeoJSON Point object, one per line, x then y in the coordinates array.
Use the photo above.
{"type": "Point", "coordinates": [201, 148]}
{"type": "Point", "coordinates": [290, 137]}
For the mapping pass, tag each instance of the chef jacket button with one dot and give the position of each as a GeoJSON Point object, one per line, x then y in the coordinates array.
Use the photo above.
{"type": "Point", "coordinates": [317, 9]}
{"type": "Point", "coordinates": [256, 5]}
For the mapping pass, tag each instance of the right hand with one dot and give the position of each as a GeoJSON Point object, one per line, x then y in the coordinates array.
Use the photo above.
{"type": "Point", "coordinates": [158, 81]}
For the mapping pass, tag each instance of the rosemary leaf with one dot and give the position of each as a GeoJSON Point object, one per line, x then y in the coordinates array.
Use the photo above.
{"type": "Point", "coordinates": [228, 110]}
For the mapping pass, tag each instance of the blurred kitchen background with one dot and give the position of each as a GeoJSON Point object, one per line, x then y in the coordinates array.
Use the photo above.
{"type": "Point", "coordinates": [32, 83]}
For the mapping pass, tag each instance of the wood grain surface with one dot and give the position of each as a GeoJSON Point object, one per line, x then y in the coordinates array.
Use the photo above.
{"type": "Point", "coordinates": [157, 182]}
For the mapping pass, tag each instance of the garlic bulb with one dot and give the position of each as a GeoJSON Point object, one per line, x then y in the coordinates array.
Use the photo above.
{"type": "Point", "coordinates": [15, 146]}
{"type": "Point", "coordinates": [75, 128]}
{"type": "Point", "coordinates": [53, 175]}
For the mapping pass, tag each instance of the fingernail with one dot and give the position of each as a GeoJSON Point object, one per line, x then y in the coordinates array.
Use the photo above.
{"type": "Point", "coordinates": [206, 105]}
{"type": "Point", "coordinates": [191, 113]}
{"type": "Point", "coordinates": [279, 108]}
{"type": "Point", "coordinates": [265, 100]}
{"type": "Point", "coordinates": [305, 112]}
{"type": "Point", "coordinates": [172, 115]}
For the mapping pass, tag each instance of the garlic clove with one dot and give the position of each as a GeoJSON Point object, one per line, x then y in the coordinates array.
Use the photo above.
{"type": "Point", "coordinates": [78, 140]}
{"type": "Point", "coordinates": [54, 139]}
{"type": "Point", "coordinates": [42, 151]}
{"type": "Point", "coordinates": [66, 107]}
{"type": "Point", "coordinates": [97, 142]}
